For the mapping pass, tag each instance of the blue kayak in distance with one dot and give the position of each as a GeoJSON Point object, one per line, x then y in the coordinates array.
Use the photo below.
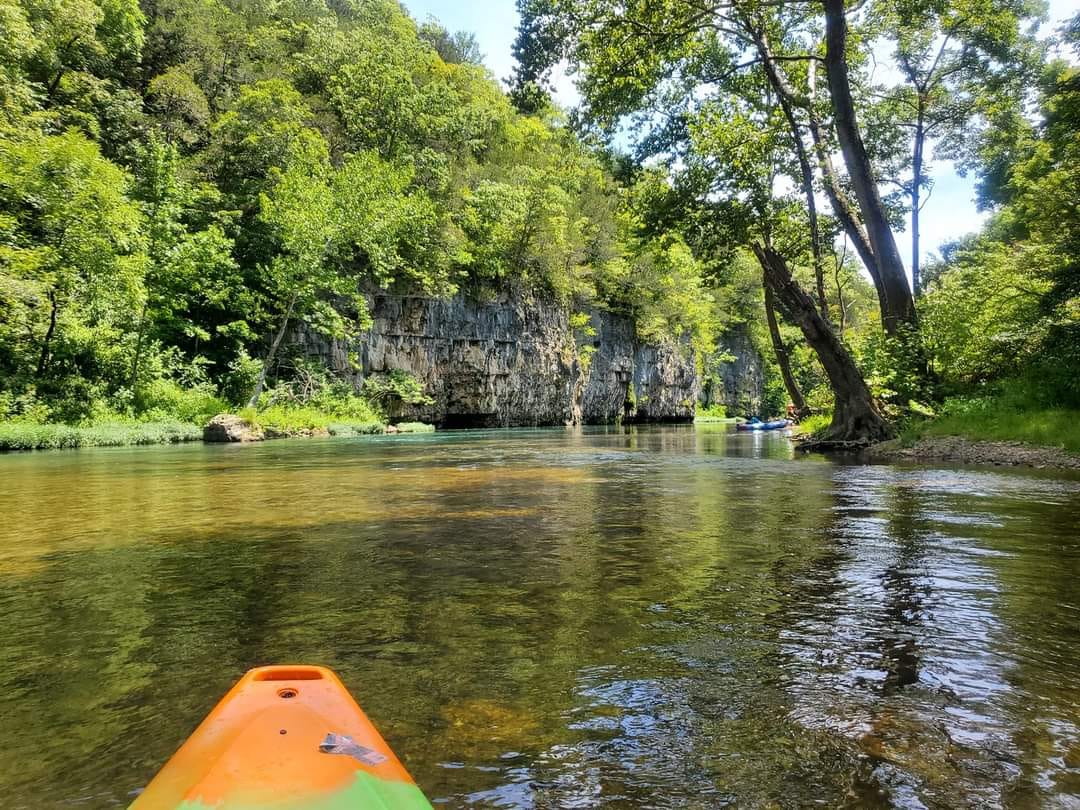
{"type": "Point", "coordinates": [777, 425]}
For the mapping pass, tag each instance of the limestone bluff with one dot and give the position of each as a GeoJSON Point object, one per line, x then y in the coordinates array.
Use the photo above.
{"type": "Point", "coordinates": [515, 360]}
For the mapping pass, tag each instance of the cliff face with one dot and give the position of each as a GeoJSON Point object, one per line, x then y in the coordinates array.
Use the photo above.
{"type": "Point", "coordinates": [740, 384]}
{"type": "Point", "coordinates": [514, 361]}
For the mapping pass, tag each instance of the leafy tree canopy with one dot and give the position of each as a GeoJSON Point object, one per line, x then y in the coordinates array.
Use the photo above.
{"type": "Point", "coordinates": [184, 181]}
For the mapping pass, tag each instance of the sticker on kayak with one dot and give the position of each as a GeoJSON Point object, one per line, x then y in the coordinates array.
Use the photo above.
{"type": "Point", "coordinates": [340, 744]}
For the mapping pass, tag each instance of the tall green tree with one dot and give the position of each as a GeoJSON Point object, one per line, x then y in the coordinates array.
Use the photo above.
{"type": "Point", "coordinates": [898, 305]}
{"type": "Point", "coordinates": [453, 48]}
{"type": "Point", "coordinates": [686, 65]}
{"type": "Point", "coordinates": [955, 59]}
{"type": "Point", "coordinates": [339, 230]}
{"type": "Point", "coordinates": [1006, 302]}
{"type": "Point", "coordinates": [72, 257]}
{"type": "Point", "coordinates": [189, 257]}
{"type": "Point", "coordinates": [632, 57]}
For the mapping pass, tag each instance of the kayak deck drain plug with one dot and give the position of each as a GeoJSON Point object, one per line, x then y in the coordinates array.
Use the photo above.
{"type": "Point", "coordinates": [286, 693]}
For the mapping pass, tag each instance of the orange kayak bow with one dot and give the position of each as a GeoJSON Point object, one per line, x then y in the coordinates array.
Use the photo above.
{"type": "Point", "coordinates": [284, 738]}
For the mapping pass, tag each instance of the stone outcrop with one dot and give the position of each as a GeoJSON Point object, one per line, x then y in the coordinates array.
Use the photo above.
{"type": "Point", "coordinates": [739, 384]}
{"type": "Point", "coordinates": [513, 361]}
{"type": "Point", "coordinates": [296, 433]}
{"type": "Point", "coordinates": [227, 427]}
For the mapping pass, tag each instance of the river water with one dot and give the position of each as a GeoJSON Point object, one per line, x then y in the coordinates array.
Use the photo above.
{"type": "Point", "coordinates": [672, 617]}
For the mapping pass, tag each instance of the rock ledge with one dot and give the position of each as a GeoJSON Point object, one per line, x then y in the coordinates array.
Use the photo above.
{"type": "Point", "coordinates": [228, 427]}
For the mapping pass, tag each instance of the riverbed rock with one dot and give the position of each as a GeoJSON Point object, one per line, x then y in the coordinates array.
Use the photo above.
{"type": "Point", "coordinates": [228, 427]}
{"type": "Point", "coordinates": [513, 361]}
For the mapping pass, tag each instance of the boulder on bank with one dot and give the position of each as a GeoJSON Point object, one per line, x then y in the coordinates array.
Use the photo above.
{"type": "Point", "coordinates": [228, 427]}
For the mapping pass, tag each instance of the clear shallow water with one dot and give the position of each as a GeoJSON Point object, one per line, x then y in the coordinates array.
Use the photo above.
{"type": "Point", "coordinates": [670, 617]}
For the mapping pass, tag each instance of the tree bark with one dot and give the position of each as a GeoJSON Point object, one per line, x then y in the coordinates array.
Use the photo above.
{"type": "Point", "coordinates": [260, 383]}
{"type": "Point", "coordinates": [839, 201]}
{"type": "Point", "coordinates": [842, 324]}
{"type": "Point", "coordinates": [841, 205]}
{"type": "Point", "coordinates": [898, 306]}
{"type": "Point", "coordinates": [857, 419]}
{"type": "Point", "coordinates": [50, 90]}
{"type": "Point", "coordinates": [916, 193]}
{"type": "Point", "coordinates": [138, 352]}
{"type": "Point", "coordinates": [783, 358]}
{"type": "Point", "coordinates": [43, 359]}
{"type": "Point", "coordinates": [785, 96]}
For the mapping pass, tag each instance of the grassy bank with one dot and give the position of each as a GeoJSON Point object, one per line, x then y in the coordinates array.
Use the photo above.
{"type": "Point", "coordinates": [1005, 417]}
{"type": "Point", "coordinates": [16, 436]}
{"type": "Point", "coordinates": [814, 424]}
{"type": "Point", "coordinates": [27, 436]}
{"type": "Point", "coordinates": [303, 420]}
{"type": "Point", "coordinates": [166, 413]}
{"type": "Point", "coordinates": [1052, 427]}
{"type": "Point", "coordinates": [714, 413]}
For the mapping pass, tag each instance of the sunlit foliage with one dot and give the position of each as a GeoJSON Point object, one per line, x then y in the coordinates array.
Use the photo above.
{"type": "Point", "coordinates": [183, 182]}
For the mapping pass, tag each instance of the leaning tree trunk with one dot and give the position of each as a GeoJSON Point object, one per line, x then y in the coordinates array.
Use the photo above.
{"type": "Point", "coordinates": [260, 382]}
{"type": "Point", "coordinates": [783, 359]}
{"type": "Point", "coordinates": [785, 95]}
{"type": "Point", "coordinates": [898, 304]}
{"type": "Point", "coordinates": [857, 419]}
{"type": "Point", "coordinates": [841, 205]}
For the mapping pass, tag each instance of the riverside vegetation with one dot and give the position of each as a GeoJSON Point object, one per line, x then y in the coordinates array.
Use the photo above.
{"type": "Point", "coordinates": [183, 184]}
{"type": "Point", "coordinates": [749, 114]}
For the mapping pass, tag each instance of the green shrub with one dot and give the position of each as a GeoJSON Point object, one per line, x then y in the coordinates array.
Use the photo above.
{"type": "Point", "coordinates": [383, 389]}
{"type": "Point", "coordinates": [815, 424]}
{"type": "Point", "coordinates": [291, 418]}
{"type": "Point", "coordinates": [894, 368]}
{"type": "Point", "coordinates": [288, 418]}
{"type": "Point", "coordinates": [238, 383]}
{"type": "Point", "coordinates": [163, 399]}
{"type": "Point", "coordinates": [414, 427]}
{"type": "Point", "coordinates": [346, 406]}
{"type": "Point", "coordinates": [313, 398]}
{"type": "Point", "coordinates": [24, 407]}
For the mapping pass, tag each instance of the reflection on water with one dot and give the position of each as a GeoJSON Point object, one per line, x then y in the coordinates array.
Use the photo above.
{"type": "Point", "coordinates": [670, 617]}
